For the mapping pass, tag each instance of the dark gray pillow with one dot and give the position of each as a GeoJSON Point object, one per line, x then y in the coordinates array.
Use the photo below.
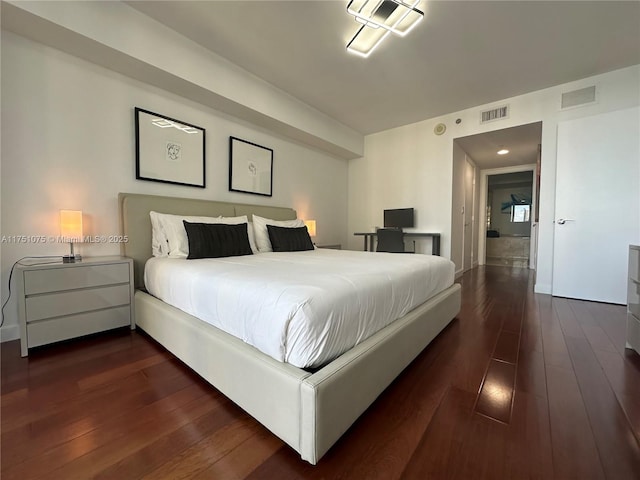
{"type": "Point", "coordinates": [216, 240]}
{"type": "Point", "coordinates": [288, 239]}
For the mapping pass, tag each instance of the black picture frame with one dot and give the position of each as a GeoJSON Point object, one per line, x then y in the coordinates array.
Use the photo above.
{"type": "Point", "coordinates": [169, 150]}
{"type": "Point", "coordinates": [250, 167]}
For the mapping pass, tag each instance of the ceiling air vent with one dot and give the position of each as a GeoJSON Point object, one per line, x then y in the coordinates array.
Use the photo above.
{"type": "Point", "coordinates": [575, 98]}
{"type": "Point", "coordinates": [494, 114]}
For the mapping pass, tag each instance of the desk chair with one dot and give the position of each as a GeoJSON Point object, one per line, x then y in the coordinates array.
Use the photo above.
{"type": "Point", "coordinates": [390, 240]}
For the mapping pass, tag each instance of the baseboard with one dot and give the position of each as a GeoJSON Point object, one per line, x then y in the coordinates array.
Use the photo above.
{"type": "Point", "coordinates": [542, 288]}
{"type": "Point", "coordinates": [9, 332]}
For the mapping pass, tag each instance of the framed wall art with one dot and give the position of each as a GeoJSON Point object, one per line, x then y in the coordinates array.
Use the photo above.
{"type": "Point", "coordinates": [169, 150]}
{"type": "Point", "coordinates": [250, 167]}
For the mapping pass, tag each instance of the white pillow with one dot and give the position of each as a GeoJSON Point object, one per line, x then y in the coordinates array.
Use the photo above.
{"type": "Point", "coordinates": [252, 238]}
{"type": "Point", "coordinates": [159, 244]}
{"type": "Point", "coordinates": [176, 235]}
{"type": "Point", "coordinates": [262, 235]}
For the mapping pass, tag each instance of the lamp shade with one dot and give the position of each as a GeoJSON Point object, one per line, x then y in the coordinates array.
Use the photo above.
{"type": "Point", "coordinates": [311, 227]}
{"type": "Point", "coordinates": [71, 225]}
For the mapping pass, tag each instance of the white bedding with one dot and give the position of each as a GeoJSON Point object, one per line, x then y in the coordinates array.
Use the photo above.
{"type": "Point", "coordinates": [303, 308]}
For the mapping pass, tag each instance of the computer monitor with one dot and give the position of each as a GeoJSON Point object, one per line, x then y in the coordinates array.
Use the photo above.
{"type": "Point", "coordinates": [398, 218]}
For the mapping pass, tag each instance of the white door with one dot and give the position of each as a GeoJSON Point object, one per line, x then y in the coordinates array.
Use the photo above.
{"type": "Point", "coordinates": [597, 211]}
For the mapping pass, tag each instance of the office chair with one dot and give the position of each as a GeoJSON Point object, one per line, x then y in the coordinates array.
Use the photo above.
{"type": "Point", "coordinates": [390, 240]}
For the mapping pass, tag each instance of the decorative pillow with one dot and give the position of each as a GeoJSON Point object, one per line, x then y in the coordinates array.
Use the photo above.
{"type": "Point", "coordinates": [289, 239]}
{"type": "Point", "coordinates": [216, 240]}
{"type": "Point", "coordinates": [176, 235]}
{"type": "Point", "coordinates": [159, 243]}
{"type": "Point", "coordinates": [262, 235]}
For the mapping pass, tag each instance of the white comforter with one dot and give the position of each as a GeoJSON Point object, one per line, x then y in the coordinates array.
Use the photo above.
{"type": "Point", "coordinates": [303, 308]}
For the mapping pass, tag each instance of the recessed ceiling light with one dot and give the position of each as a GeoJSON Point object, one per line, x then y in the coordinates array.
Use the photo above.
{"type": "Point", "coordinates": [503, 151]}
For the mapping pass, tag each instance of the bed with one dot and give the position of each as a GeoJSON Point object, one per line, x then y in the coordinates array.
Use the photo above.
{"type": "Point", "coordinates": [309, 409]}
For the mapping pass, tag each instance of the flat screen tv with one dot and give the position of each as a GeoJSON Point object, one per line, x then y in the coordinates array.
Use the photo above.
{"type": "Point", "coordinates": [398, 218]}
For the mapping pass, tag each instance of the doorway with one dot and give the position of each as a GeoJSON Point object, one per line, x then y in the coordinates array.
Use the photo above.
{"type": "Point", "coordinates": [509, 220]}
{"type": "Point", "coordinates": [514, 152]}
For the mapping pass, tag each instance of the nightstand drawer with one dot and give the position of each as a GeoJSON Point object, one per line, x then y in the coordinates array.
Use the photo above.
{"type": "Point", "coordinates": [47, 331]}
{"type": "Point", "coordinates": [57, 279]}
{"type": "Point", "coordinates": [633, 297]}
{"type": "Point", "coordinates": [50, 305]}
{"type": "Point", "coordinates": [633, 332]}
{"type": "Point", "coordinates": [634, 264]}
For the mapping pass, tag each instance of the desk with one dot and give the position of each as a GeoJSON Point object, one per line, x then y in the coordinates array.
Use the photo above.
{"type": "Point", "coordinates": [435, 240]}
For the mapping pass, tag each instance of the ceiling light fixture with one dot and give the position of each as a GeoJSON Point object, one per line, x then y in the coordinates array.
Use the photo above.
{"type": "Point", "coordinates": [379, 18]}
{"type": "Point", "coordinates": [503, 151]}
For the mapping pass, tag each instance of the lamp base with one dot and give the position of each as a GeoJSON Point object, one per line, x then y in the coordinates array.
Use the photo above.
{"type": "Point", "coordinates": [71, 258]}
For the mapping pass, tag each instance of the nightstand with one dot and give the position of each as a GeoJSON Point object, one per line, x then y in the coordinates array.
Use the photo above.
{"type": "Point", "coordinates": [58, 301]}
{"type": "Point", "coordinates": [633, 299]}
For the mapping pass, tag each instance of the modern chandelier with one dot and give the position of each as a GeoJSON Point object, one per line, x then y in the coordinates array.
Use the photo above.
{"type": "Point", "coordinates": [379, 18]}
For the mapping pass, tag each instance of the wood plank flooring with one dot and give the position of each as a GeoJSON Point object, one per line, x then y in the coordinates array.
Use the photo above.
{"type": "Point", "coordinates": [519, 386]}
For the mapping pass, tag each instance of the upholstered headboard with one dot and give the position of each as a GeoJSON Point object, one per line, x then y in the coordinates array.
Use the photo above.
{"type": "Point", "coordinates": [135, 223]}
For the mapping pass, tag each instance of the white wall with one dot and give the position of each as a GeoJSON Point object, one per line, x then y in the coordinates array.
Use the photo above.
{"type": "Point", "coordinates": [412, 165]}
{"type": "Point", "coordinates": [124, 40]}
{"type": "Point", "coordinates": [68, 143]}
{"type": "Point", "coordinates": [402, 167]}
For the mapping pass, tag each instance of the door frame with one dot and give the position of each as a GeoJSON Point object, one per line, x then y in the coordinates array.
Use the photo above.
{"type": "Point", "coordinates": [472, 227]}
{"type": "Point", "coordinates": [484, 191]}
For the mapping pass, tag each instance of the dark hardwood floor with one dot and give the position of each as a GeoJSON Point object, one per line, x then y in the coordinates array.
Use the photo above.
{"type": "Point", "coordinates": [519, 386]}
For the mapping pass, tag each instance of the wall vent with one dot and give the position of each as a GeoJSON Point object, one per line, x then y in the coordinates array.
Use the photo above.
{"type": "Point", "coordinates": [575, 98]}
{"type": "Point", "coordinates": [494, 114]}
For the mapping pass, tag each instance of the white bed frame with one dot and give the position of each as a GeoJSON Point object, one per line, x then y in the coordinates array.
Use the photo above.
{"type": "Point", "coordinates": [308, 411]}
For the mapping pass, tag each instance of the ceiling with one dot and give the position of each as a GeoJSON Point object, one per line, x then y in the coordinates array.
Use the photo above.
{"type": "Point", "coordinates": [463, 54]}
{"type": "Point", "coordinates": [522, 143]}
